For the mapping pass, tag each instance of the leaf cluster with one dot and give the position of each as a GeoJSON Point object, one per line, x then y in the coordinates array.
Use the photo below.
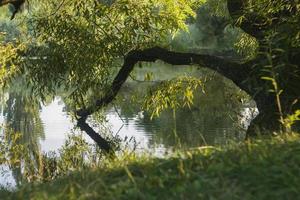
{"type": "Point", "coordinates": [173, 94]}
{"type": "Point", "coordinates": [80, 45]}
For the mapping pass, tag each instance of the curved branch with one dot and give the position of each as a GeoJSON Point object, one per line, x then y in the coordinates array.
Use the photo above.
{"type": "Point", "coordinates": [235, 71]}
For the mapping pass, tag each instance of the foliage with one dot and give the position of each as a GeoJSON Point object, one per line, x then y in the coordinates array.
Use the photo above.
{"type": "Point", "coordinates": [12, 29]}
{"type": "Point", "coordinates": [11, 151]}
{"type": "Point", "coordinates": [212, 32]}
{"type": "Point", "coordinates": [29, 164]}
{"type": "Point", "coordinates": [279, 52]}
{"type": "Point", "coordinates": [290, 120]}
{"type": "Point", "coordinates": [246, 46]}
{"type": "Point", "coordinates": [172, 94]}
{"type": "Point", "coordinates": [284, 38]}
{"type": "Point", "coordinates": [76, 46]}
{"type": "Point", "coordinates": [277, 58]}
{"type": "Point", "coordinates": [10, 60]}
{"type": "Point", "coordinates": [20, 157]}
{"type": "Point", "coordinates": [253, 170]}
{"type": "Point", "coordinates": [75, 154]}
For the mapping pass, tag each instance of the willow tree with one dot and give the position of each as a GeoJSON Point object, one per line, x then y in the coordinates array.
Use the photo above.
{"type": "Point", "coordinates": [84, 45]}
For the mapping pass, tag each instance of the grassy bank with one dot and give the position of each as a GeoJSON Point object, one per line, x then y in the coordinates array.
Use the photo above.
{"type": "Point", "coordinates": [268, 169]}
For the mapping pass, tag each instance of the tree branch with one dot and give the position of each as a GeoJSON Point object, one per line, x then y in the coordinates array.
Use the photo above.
{"type": "Point", "coordinates": [235, 71]}
{"type": "Point", "coordinates": [101, 142]}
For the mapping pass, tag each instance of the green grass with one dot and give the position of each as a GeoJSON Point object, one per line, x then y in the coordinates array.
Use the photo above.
{"type": "Point", "coordinates": [264, 169]}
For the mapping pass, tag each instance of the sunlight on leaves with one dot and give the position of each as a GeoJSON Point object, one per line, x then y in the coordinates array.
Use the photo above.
{"type": "Point", "coordinates": [172, 94]}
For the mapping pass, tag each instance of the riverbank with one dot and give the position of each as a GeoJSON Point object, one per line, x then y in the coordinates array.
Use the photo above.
{"type": "Point", "coordinates": [263, 169]}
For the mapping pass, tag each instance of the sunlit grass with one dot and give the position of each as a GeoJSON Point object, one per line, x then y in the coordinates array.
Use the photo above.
{"type": "Point", "coordinates": [261, 169]}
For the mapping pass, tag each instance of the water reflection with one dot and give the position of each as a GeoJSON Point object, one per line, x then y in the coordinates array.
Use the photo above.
{"type": "Point", "coordinates": [21, 115]}
{"type": "Point", "coordinates": [211, 120]}
{"type": "Point", "coordinates": [57, 124]}
{"type": "Point", "coordinates": [215, 118]}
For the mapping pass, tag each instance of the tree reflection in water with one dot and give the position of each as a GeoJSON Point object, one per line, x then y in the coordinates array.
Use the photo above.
{"type": "Point", "coordinates": [216, 117]}
{"type": "Point", "coordinates": [23, 130]}
{"type": "Point", "coordinates": [212, 119]}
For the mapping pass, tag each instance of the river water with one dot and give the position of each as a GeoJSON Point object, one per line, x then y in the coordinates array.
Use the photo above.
{"type": "Point", "coordinates": [216, 117]}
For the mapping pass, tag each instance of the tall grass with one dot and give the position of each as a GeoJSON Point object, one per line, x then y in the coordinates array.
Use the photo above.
{"type": "Point", "coordinates": [261, 169]}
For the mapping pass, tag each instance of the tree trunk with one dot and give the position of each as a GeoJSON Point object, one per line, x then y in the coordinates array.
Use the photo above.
{"type": "Point", "coordinates": [101, 142]}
